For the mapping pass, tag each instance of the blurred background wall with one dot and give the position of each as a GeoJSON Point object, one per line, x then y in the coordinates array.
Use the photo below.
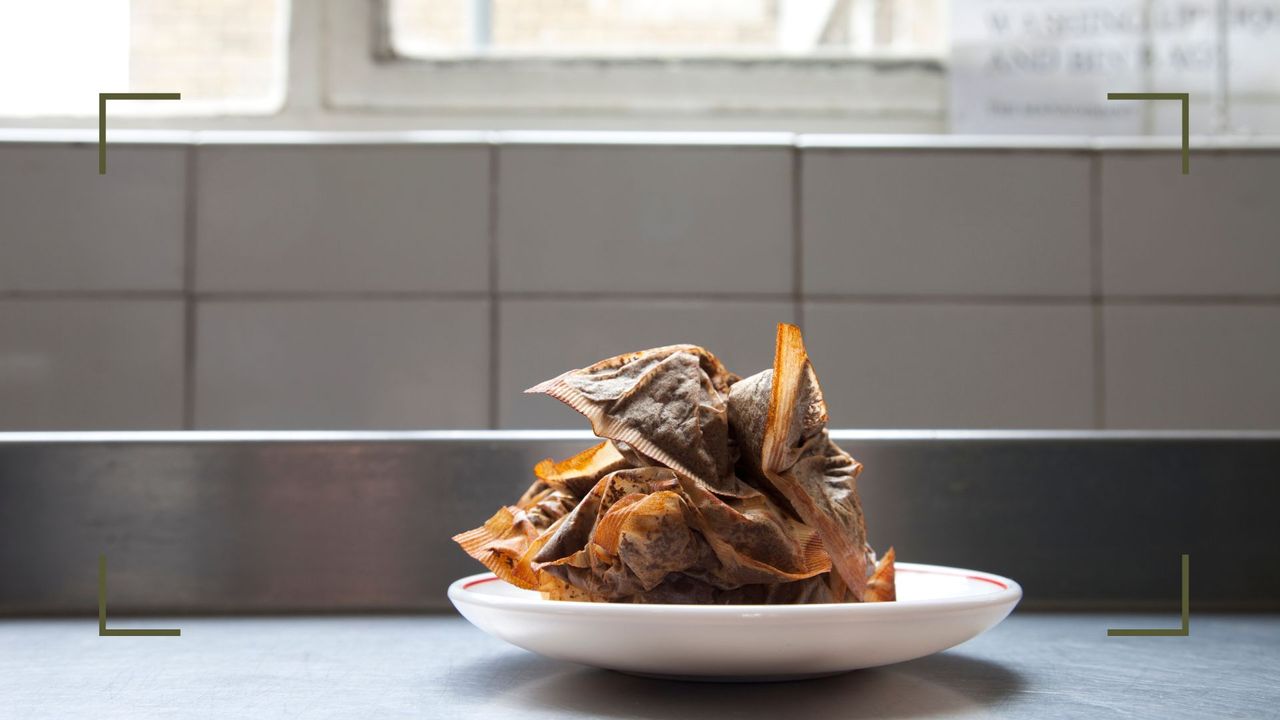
{"type": "Point", "coordinates": [401, 213]}
{"type": "Point", "coordinates": [426, 284]}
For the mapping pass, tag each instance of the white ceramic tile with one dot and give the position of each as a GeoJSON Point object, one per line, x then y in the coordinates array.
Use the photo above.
{"type": "Point", "coordinates": [343, 218]}
{"type": "Point", "coordinates": [945, 222]}
{"type": "Point", "coordinates": [90, 364]}
{"type": "Point", "coordinates": [542, 338]}
{"type": "Point", "coordinates": [645, 219]}
{"type": "Point", "coordinates": [65, 227]}
{"type": "Point", "coordinates": [1211, 232]}
{"type": "Point", "coordinates": [889, 365]}
{"type": "Point", "coordinates": [1193, 366]}
{"type": "Point", "coordinates": [361, 364]}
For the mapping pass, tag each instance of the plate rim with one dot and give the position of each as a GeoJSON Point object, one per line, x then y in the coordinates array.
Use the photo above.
{"type": "Point", "coordinates": [1009, 592]}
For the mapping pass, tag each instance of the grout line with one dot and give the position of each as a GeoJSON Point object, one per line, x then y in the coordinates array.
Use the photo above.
{"type": "Point", "coordinates": [188, 289]}
{"type": "Point", "coordinates": [352, 295]}
{"type": "Point", "coordinates": [1157, 299]}
{"type": "Point", "coordinates": [91, 295]}
{"type": "Point", "coordinates": [1099, 358]}
{"type": "Point", "coordinates": [949, 299]}
{"type": "Point", "coordinates": [655, 296]}
{"type": "Point", "coordinates": [147, 138]}
{"type": "Point", "coordinates": [1095, 228]}
{"type": "Point", "coordinates": [797, 237]}
{"type": "Point", "coordinates": [495, 311]}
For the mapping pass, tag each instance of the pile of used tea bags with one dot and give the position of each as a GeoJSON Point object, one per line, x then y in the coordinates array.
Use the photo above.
{"type": "Point", "coordinates": [708, 489]}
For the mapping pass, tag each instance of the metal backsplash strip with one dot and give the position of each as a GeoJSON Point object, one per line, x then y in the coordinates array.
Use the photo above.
{"type": "Point", "coordinates": [319, 522]}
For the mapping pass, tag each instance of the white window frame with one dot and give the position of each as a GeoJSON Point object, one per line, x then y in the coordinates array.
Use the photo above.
{"type": "Point", "coordinates": [341, 74]}
{"type": "Point", "coordinates": [364, 74]}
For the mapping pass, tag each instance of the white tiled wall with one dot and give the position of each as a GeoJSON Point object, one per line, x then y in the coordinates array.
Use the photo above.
{"type": "Point", "coordinates": [1193, 366]}
{"type": "Point", "coordinates": [90, 364]}
{"type": "Point", "coordinates": [342, 218]}
{"type": "Point", "coordinates": [424, 284]}
{"type": "Point", "coordinates": [644, 219]}
{"type": "Point", "coordinates": [342, 364]}
{"type": "Point", "coordinates": [1215, 231]}
{"type": "Point", "coordinates": [945, 223]}
{"type": "Point", "coordinates": [953, 365]}
{"type": "Point", "coordinates": [65, 227]}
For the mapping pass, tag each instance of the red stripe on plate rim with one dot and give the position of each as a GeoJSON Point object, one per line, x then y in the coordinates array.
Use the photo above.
{"type": "Point", "coordinates": [979, 578]}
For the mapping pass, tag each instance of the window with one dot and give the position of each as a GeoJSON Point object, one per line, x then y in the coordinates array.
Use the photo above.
{"type": "Point", "coordinates": [1046, 66]}
{"type": "Point", "coordinates": [227, 55]}
{"type": "Point", "coordinates": [884, 66]}
{"type": "Point", "coordinates": [224, 56]}
{"type": "Point", "coordinates": [646, 64]}
{"type": "Point", "coordinates": [675, 28]}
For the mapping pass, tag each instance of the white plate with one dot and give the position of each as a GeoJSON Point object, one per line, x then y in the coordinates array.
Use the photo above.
{"type": "Point", "coordinates": [937, 608]}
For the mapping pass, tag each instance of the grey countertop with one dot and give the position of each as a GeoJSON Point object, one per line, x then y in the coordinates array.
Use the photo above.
{"type": "Point", "coordinates": [1032, 665]}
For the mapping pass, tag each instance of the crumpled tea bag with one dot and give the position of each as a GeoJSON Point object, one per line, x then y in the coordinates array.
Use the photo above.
{"type": "Point", "coordinates": [668, 404]}
{"type": "Point", "coordinates": [707, 489]}
{"type": "Point", "coordinates": [639, 527]}
{"type": "Point", "coordinates": [503, 544]}
{"type": "Point", "coordinates": [578, 474]}
{"type": "Point", "coordinates": [882, 587]}
{"type": "Point", "coordinates": [785, 444]}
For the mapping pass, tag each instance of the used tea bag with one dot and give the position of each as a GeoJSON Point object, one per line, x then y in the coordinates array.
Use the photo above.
{"type": "Point", "coordinates": [640, 527]}
{"type": "Point", "coordinates": [707, 489]}
{"type": "Point", "coordinates": [668, 404]}
{"type": "Point", "coordinates": [503, 543]}
{"type": "Point", "coordinates": [785, 444]}
{"type": "Point", "coordinates": [881, 586]}
{"type": "Point", "coordinates": [578, 474]}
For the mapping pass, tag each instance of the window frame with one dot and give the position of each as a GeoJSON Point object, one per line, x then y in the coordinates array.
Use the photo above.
{"type": "Point", "coordinates": [341, 73]}
{"type": "Point", "coordinates": [364, 73]}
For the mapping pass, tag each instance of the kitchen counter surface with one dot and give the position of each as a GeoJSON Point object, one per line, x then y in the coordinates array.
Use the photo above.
{"type": "Point", "coordinates": [1033, 665]}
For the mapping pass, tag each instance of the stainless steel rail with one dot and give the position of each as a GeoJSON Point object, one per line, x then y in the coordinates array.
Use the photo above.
{"type": "Point", "coordinates": [302, 522]}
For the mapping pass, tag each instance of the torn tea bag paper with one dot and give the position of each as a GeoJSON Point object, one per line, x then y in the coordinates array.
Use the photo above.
{"type": "Point", "coordinates": [780, 419]}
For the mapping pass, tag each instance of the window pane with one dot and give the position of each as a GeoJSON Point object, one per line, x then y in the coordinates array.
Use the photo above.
{"type": "Point", "coordinates": [227, 53]}
{"type": "Point", "coordinates": [664, 27]}
{"type": "Point", "coordinates": [1019, 66]}
{"type": "Point", "coordinates": [55, 66]}
{"type": "Point", "coordinates": [224, 56]}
